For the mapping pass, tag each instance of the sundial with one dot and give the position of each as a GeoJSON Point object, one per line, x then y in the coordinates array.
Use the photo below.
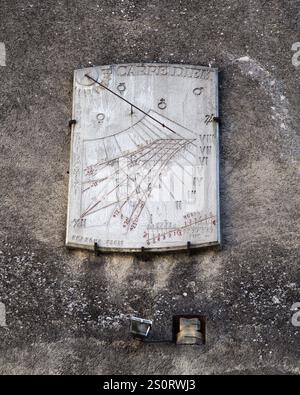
{"type": "Point", "coordinates": [144, 158]}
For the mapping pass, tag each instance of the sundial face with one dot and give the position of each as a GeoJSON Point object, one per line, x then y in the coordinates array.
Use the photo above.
{"type": "Point", "coordinates": [144, 158]}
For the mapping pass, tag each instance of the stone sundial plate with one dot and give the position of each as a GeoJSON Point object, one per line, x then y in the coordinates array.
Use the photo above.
{"type": "Point", "coordinates": [145, 178]}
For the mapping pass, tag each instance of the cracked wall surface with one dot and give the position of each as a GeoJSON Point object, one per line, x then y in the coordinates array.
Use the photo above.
{"type": "Point", "coordinates": [66, 312]}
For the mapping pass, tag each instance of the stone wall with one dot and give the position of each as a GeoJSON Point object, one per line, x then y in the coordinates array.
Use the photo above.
{"type": "Point", "coordinates": [65, 311]}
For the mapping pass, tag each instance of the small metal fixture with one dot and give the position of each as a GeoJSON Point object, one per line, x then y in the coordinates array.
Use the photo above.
{"type": "Point", "coordinates": [140, 327]}
{"type": "Point", "coordinates": [72, 122]}
{"type": "Point", "coordinates": [97, 250]}
{"type": "Point", "coordinates": [143, 255]}
{"type": "Point", "coordinates": [189, 329]}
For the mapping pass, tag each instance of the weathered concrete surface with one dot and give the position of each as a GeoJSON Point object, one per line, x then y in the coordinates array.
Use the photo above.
{"type": "Point", "coordinates": [64, 309]}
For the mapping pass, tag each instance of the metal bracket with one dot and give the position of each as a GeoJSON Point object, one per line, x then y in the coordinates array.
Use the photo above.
{"type": "Point", "coordinates": [97, 250]}
{"type": "Point", "coordinates": [72, 122]}
{"type": "Point", "coordinates": [190, 250]}
{"type": "Point", "coordinates": [188, 246]}
{"type": "Point", "coordinates": [143, 255]}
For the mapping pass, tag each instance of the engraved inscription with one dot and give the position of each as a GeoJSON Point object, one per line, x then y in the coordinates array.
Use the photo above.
{"type": "Point", "coordinates": [173, 71]}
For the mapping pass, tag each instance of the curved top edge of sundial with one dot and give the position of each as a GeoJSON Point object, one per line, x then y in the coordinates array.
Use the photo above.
{"type": "Point", "coordinates": [141, 64]}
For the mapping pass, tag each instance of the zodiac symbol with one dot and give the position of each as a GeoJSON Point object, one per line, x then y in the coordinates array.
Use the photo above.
{"type": "Point", "coordinates": [100, 117]}
{"type": "Point", "coordinates": [198, 91]}
{"type": "Point", "coordinates": [83, 80]}
{"type": "Point", "coordinates": [162, 104]}
{"type": "Point", "coordinates": [209, 118]}
{"type": "Point", "coordinates": [121, 87]}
